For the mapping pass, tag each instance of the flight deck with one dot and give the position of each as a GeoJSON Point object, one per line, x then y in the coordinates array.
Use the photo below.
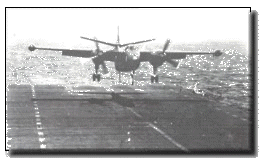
{"type": "Point", "coordinates": [123, 118]}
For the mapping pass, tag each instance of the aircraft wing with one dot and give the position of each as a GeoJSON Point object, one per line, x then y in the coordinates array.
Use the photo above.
{"type": "Point", "coordinates": [68, 52]}
{"type": "Point", "coordinates": [146, 56]}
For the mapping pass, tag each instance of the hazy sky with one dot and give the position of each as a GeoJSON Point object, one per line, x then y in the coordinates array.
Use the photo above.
{"type": "Point", "coordinates": [180, 25]}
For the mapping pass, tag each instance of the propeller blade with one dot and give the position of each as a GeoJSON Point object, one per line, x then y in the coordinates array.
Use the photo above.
{"type": "Point", "coordinates": [175, 64]}
{"type": "Point", "coordinates": [166, 45]}
{"type": "Point", "coordinates": [104, 68]}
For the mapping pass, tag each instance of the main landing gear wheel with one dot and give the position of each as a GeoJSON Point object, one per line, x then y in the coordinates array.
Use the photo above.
{"type": "Point", "coordinates": [132, 76]}
{"type": "Point", "coordinates": [154, 79]}
{"type": "Point", "coordinates": [96, 76]}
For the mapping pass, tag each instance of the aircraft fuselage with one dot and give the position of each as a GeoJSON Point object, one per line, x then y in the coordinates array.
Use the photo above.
{"type": "Point", "coordinates": [127, 59]}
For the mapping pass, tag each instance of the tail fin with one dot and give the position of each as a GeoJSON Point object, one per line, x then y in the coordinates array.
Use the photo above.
{"type": "Point", "coordinates": [118, 36]}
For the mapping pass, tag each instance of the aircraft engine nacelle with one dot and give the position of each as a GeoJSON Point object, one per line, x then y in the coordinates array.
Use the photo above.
{"type": "Point", "coordinates": [97, 60]}
{"type": "Point", "coordinates": [157, 59]}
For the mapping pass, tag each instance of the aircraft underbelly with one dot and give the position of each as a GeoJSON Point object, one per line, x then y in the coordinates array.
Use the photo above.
{"type": "Point", "coordinates": [124, 64]}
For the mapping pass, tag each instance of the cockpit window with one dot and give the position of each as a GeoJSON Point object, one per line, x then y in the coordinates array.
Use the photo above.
{"type": "Point", "coordinates": [132, 48]}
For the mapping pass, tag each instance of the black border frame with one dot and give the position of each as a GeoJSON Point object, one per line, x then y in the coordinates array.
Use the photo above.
{"type": "Point", "coordinates": [253, 49]}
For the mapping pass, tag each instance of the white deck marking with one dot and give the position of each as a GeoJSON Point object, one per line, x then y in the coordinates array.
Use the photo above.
{"type": "Point", "coordinates": [235, 116]}
{"type": "Point", "coordinates": [43, 146]}
{"type": "Point", "coordinates": [41, 139]}
{"type": "Point", "coordinates": [40, 133]}
{"type": "Point", "coordinates": [168, 137]}
{"type": "Point", "coordinates": [160, 131]}
{"type": "Point", "coordinates": [138, 115]}
{"type": "Point", "coordinates": [39, 127]}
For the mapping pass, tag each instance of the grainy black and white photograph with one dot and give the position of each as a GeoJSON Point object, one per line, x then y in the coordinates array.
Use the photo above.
{"type": "Point", "coordinates": [129, 80]}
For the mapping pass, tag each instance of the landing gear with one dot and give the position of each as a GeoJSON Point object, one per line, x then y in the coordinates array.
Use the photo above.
{"type": "Point", "coordinates": [96, 76]}
{"type": "Point", "coordinates": [154, 79]}
{"type": "Point", "coordinates": [119, 76]}
{"type": "Point", "coordinates": [132, 76]}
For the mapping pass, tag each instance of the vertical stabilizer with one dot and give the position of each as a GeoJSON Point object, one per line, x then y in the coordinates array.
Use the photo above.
{"type": "Point", "coordinates": [118, 36]}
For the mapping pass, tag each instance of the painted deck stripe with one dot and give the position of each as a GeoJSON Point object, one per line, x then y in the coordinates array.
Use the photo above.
{"type": "Point", "coordinates": [138, 115]}
{"type": "Point", "coordinates": [168, 137]}
{"type": "Point", "coordinates": [41, 139]}
{"type": "Point", "coordinates": [160, 131]}
{"type": "Point", "coordinates": [40, 133]}
{"type": "Point", "coordinates": [235, 116]}
{"type": "Point", "coordinates": [43, 146]}
{"type": "Point", "coordinates": [39, 127]}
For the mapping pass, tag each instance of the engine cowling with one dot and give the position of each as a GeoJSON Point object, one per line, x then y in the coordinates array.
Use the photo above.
{"type": "Point", "coordinates": [157, 59]}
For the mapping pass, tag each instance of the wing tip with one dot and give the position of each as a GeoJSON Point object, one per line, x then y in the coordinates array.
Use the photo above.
{"type": "Point", "coordinates": [31, 47]}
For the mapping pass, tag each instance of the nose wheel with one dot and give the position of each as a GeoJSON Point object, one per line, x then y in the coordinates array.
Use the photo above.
{"type": "Point", "coordinates": [96, 77]}
{"type": "Point", "coordinates": [154, 79]}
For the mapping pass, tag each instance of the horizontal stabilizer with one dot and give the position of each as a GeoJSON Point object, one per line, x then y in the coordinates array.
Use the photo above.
{"type": "Point", "coordinates": [114, 45]}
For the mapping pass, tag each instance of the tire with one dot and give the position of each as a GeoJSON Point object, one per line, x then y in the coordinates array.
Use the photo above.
{"type": "Point", "coordinates": [98, 77]}
{"type": "Point", "coordinates": [152, 79]}
{"type": "Point", "coordinates": [156, 79]}
{"type": "Point", "coordinates": [94, 77]}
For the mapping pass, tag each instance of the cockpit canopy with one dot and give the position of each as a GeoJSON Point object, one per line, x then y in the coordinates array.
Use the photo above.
{"type": "Point", "coordinates": [131, 48]}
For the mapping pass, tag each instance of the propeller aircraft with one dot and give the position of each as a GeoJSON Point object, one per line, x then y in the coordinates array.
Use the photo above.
{"type": "Point", "coordinates": [126, 57]}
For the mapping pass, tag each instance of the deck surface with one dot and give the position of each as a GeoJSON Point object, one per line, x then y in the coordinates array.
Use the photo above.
{"type": "Point", "coordinates": [149, 118]}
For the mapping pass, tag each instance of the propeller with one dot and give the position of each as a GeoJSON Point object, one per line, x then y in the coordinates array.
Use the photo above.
{"type": "Point", "coordinates": [159, 58]}
{"type": "Point", "coordinates": [165, 47]}
{"type": "Point", "coordinates": [99, 53]}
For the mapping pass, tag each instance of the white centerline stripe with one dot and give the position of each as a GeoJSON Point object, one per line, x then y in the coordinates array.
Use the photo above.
{"type": "Point", "coordinates": [168, 137]}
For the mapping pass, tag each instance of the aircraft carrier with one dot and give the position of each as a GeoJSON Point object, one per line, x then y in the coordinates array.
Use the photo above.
{"type": "Point", "coordinates": [154, 118]}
